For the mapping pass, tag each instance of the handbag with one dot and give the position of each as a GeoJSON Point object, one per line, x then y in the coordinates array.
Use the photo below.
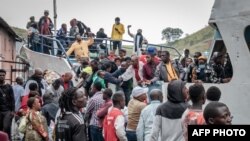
{"type": "Point", "coordinates": [23, 124]}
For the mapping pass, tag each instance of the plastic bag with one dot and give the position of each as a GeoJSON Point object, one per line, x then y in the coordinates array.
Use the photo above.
{"type": "Point", "coordinates": [23, 124]}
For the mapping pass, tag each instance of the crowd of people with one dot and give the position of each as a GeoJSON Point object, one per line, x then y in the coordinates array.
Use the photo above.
{"type": "Point", "coordinates": [102, 113]}
{"type": "Point", "coordinates": [119, 97]}
{"type": "Point", "coordinates": [78, 28]}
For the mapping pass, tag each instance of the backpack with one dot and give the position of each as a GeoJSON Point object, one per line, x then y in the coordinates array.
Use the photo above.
{"type": "Point", "coordinates": [62, 130]}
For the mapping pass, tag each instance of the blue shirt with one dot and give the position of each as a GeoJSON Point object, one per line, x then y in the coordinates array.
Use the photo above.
{"type": "Point", "coordinates": [18, 92]}
{"type": "Point", "coordinates": [145, 124]}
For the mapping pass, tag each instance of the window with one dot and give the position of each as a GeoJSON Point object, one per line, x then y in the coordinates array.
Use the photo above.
{"type": "Point", "coordinates": [220, 61]}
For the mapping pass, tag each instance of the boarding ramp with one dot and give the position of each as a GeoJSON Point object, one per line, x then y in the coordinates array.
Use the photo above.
{"type": "Point", "coordinates": [48, 53]}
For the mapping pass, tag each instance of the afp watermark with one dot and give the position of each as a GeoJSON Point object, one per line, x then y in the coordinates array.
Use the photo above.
{"type": "Point", "coordinates": [198, 132]}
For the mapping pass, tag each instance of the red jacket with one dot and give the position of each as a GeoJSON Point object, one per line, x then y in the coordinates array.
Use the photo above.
{"type": "Point", "coordinates": [109, 125]}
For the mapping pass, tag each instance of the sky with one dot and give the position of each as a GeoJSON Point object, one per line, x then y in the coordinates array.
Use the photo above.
{"type": "Point", "coordinates": [152, 16]}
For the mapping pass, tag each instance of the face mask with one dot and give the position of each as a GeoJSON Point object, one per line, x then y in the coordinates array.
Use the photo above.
{"type": "Point", "coordinates": [202, 66]}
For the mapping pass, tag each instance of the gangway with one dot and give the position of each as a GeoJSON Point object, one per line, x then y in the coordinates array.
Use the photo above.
{"type": "Point", "coordinates": [39, 57]}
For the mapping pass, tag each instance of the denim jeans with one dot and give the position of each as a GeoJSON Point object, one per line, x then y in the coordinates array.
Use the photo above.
{"type": "Point", "coordinates": [96, 133]}
{"type": "Point", "coordinates": [5, 122]}
{"type": "Point", "coordinates": [131, 135]}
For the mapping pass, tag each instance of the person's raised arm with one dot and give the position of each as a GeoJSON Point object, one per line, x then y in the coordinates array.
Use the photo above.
{"type": "Point", "coordinates": [90, 40]}
{"type": "Point", "coordinates": [71, 49]}
{"type": "Point", "coordinates": [129, 33]}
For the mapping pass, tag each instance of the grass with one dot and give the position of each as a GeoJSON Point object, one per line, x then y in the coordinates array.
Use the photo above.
{"type": "Point", "coordinates": [198, 41]}
{"type": "Point", "coordinates": [20, 32]}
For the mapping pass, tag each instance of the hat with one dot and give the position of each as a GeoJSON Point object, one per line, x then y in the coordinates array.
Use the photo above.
{"type": "Point", "coordinates": [151, 50]}
{"type": "Point", "coordinates": [138, 91]}
{"type": "Point", "coordinates": [202, 58]}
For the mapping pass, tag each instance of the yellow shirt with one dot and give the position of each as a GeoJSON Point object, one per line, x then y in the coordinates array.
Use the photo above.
{"type": "Point", "coordinates": [115, 35]}
{"type": "Point", "coordinates": [171, 74]}
{"type": "Point", "coordinates": [80, 49]}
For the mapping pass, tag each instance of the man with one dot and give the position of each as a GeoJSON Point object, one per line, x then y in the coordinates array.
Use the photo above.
{"type": "Point", "coordinates": [134, 71]}
{"type": "Point", "coordinates": [167, 122]}
{"type": "Point", "coordinates": [37, 78]}
{"type": "Point", "coordinates": [112, 56]}
{"type": "Point", "coordinates": [196, 56]}
{"type": "Point", "coordinates": [135, 106]}
{"type": "Point", "coordinates": [144, 128]}
{"type": "Point", "coordinates": [100, 35]}
{"type": "Point", "coordinates": [49, 110]}
{"type": "Point", "coordinates": [18, 92]}
{"type": "Point", "coordinates": [45, 24]}
{"type": "Point", "coordinates": [194, 114]}
{"type": "Point", "coordinates": [89, 80]}
{"type": "Point", "coordinates": [152, 62]}
{"type": "Point", "coordinates": [217, 113]}
{"type": "Point", "coordinates": [185, 56]}
{"type": "Point", "coordinates": [71, 112]}
{"type": "Point", "coordinates": [126, 86]}
{"type": "Point", "coordinates": [80, 47]}
{"type": "Point", "coordinates": [219, 74]}
{"type": "Point", "coordinates": [102, 112]}
{"type": "Point", "coordinates": [114, 122]}
{"type": "Point", "coordinates": [62, 37]}
{"type": "Point", "coordinates": [117, 33]}
{"type": "Point", "coordinates": [66, 80]}
{"type": "Point", "coordinates": [122, 54]}
{"type": "Point", "coordinates": [31, 22]}
{"type": "Point", "coordinates": [7, 104]}
{"type": "Point", "coordinates": [56, 90]}
{"type": "Point", "coordinates": [95, 102]}
{"type": "Point", "coordinates": [213, 94]}
{"type": "Point", "coordinates": [152, 52]}
{"type": "Point", "coordinates": [200, 73]}
{"type": "Point", "coordinates": [108, 78]}
{"type": "Point", "coordinates": [138, 40]}
{"type": "Point", "coordinates": [188, 67]}
{"type": "Point", "coordinates": [33, 91]}
{"type": "Point", "coordinates": [167, 70]}
{"type": "Point", "coordinates": [81, 26]}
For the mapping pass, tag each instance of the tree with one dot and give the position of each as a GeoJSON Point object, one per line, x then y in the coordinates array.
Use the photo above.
{"type": "Point", "coordinates": [171, 34]}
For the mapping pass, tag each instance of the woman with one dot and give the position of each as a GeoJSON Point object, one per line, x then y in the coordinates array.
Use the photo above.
{"type": "Point", "coordinates": [37, 129]}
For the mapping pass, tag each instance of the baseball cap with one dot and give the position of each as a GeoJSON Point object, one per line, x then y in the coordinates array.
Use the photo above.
{"type": "Point", "coordinates": [151, 50]}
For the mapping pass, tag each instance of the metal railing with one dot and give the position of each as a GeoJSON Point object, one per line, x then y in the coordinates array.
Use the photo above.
{"type": "Point", "coordinates": [48, 45]}
{"type": "Point", "coordinates": [52, 45]}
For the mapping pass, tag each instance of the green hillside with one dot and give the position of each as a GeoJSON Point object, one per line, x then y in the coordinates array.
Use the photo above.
{"type": "Point", "coordinates": [198, 41]}
{"type": "Point", "coordinates": [20, 32]}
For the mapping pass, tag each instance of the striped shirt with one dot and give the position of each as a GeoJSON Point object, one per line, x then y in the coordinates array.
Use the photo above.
{"type": "Point", "coordinates": [94, 104]}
